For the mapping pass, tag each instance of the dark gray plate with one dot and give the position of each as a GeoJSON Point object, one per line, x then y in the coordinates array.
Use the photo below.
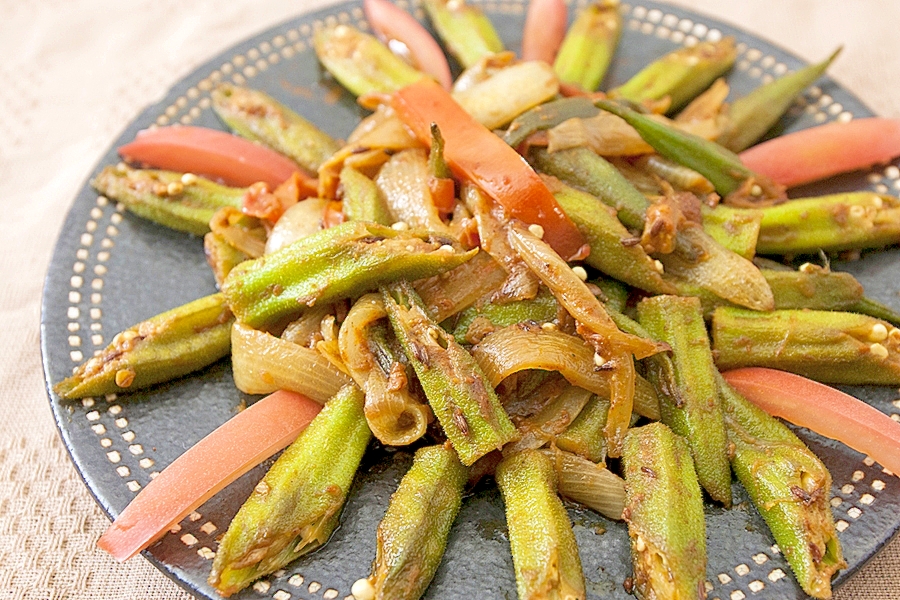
{"type": "Point", "coordinates": [111, 270]}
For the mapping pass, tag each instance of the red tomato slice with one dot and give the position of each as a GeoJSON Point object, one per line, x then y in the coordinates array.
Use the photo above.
{"type": "Point", "coordinates": [545, 28]}
{"type": "Point", "coordinates": [474, 153]}
{"type": "Point", "coordinates": [826, 150]}
{"type": "Point", "coordinates": [237, 446]}
{"type": "Point", "coordinates": [393, 23]}
{"type": "Point", "coordinates": [216, 154]}
{"type": "Point", "coordinates": [823, 409]}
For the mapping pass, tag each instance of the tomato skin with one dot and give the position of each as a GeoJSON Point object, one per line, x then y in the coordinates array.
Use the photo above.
{"type": "Point", "coordinates": [209, 152]}
{"type": "Point", "coordinates": [545, 28]}
{"type": "Point", "coordinates": [819, 152]}
{"type": "Point", "coordinates": [474, 153]}
{"type": "Point", "coordinates": [231, 450]}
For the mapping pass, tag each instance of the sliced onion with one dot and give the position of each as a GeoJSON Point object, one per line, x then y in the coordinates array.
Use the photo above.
{"type": "Point", "coordinates": [591, 484]}
{"type": "Point", "coordinates": [241, 443]}
{"type": "Point", "coordinates": [403, 183]}
{"type": "Point", "coordinates": [446, 294]}
{"type": "Point", "coordinates": [823, 409]}
{"type": "Point", "coordinates": [303, 219]}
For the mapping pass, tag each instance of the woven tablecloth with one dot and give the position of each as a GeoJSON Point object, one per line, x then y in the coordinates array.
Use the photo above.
{"type": "Point", "coordinates": [73, 73]}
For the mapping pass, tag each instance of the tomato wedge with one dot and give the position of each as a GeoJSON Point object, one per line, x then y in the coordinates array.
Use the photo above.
{"type": "Point", "coordinates": [216, 154]}
{"type": "Point", "coordinates": [237, 446]}
{"type": "Point", "coordinates": [393, 23]}
{"type": "Point", "coordinates": [826, 150]}
{"type": "Point", "coordinates": [474, 153]}
{"type": "Point", "coordinates": [823, 409]}
{"type": "Point", "coordinates": [545, 28]}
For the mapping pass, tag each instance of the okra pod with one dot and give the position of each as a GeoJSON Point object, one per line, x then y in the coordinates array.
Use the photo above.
{"type": "Point", "coordinates": [876, 309]}
{"type": "Point", "coordinates": [790, 488]}
{"type": "Point", "coordinates": [584, 436]}
{"type": "Point", "coordinates": [169, 345]}
{"type": "Point", "coordinates": [751, 116]}
{"type": "Point", "coordinates": [545, 555]}
{"type": "Point", "coordinates": [853, 220]}
{"type": "Point", "coordinates": [413, 533]}
{"type": "Point", "coordinates": [815, 288]}
{"type": "Point", "coordinates": [735, 229]}
{"type": "Point", "coordinates": [606, 236]}
{"type": "Point", "coordinates": [295, 508]}
{"type": "Point", "coordinates": [459, 394]}
{"type": "Point", "coordinates": [466, 31]}
{"type": "Point", "coordinates": [722, 167]}
{"type": "Point", "coordinates": [681, 74]}
{"type": "Point", "coordinates": [221, 256]}
{"type": "Point", "coordinates": [668, 547]}
{"type": "Point", "coordinates": [686, 386]}
{"type": "Point", "coordinates": [588, 47]}
{"type": "Point", "coordinates": [178, 201]}
{"type": "Point", "coordinates": [475, 322]}
{"type": "Point", "coordinates": [615, 295]}
{"type": "Point", "coordinates": [832, 347]}
{"type": "Point", "coordinates": [260, 118]}
{"type": "Point", "coordinates": [331, 264]}
{"type": "Point", "coordinates": [361, 200]}
{"type": "Point", "coordinates": [547, 116]}
{"type": "Point", "coordinates": [360, 62]}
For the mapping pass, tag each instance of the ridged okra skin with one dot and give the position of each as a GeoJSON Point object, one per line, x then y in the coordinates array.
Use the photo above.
{"type": "Point", "coordinates": [260, 118]}
{"type": "Point", "coordinates": [548, 115]}
{"type": "Point", "coordinates": [297, 505]}
{"type": "Point", "coordinates": [413, 534]}
{"type": "Point", "coordinates": [681, 75]}
{"type": "Point", "coordinates": [334, 263]}
{"type": "Point", "coordinates": [686, 385]}
{"type": "Point", "coordinates": [183, 202]}
{"type": "Point", "coordinates": [461, 397]}
{"type": "Point", "coordinates": [828, 346]}
{"type": "Point", "coordinates": [584, 436]}
{"type": "Point", "coordinates": [589, 45]}
{"type": "Point", "coordinates": [361, 200]}
{"type": "Point", "coordinates": [854, 220]}
{"type": "Point", "coordinates": [169, 345]}
{"type": "Point", "coordinates": [545, 555]}
{"type": "Point", "coordinates": [790, 488]}
{"type": "Point", "coordinates": [466, 31]}
{"type": "Point", "coordinates": [668, 547]}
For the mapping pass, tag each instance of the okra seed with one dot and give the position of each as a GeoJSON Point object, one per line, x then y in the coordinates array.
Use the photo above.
{"type": "Point", "coordinates": [400, 226]}
{"type": "Point", "coordinates": [878, 351]}
{"type": "Point", "coordinates": [188, 179]}
{"type": "Point", "coordinates": [363, 589]}
{"type": "Point", "coordinates": [548, 326]}
{"type": "Point", "coordinates": [174, 188]}
{"type": "Point", "coordinates": [755, 191]}
{"type": "Point", "coordinates": [877, 202]}
{"type": "Point", "coordinates": [536, 230]}
{"type": "Point", "coordinates": [446, 248]}
{"type": "Point", "coordinates": [894, 335]}
{"type": "Point", "coordinates": [659, 267]}
{"type": "Point", "coordinates": [639, 544]}
{"type": "Point", "coordinates": [857, 212]}
{"type": "Point", "coordinates": [807, 268]}
{"type": "Point", "coordinates": [125, 377]}
{"type": "Point", "coordinates": [580, 273]}
{"type": "Point", "coordinates": [121, 167]}
{"type": "Point", "coordinates": [879, 332]}
{"type": "Point", "coordinates": [599, 360]}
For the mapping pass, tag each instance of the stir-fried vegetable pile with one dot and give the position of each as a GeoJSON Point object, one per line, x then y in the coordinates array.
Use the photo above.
{"type": "Point", "coordinates": [523, 277]}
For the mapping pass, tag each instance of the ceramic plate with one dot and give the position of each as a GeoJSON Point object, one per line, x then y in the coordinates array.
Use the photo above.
{"type": "Point", "coordinates": [111, 269]}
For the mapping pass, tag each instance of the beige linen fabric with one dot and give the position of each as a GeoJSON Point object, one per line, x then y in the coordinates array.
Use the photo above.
{"type": "Point", "coordinates": [72, 74]}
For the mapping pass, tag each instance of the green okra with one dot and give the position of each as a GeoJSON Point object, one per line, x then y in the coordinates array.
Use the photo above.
{"type": "Point", "coordinates": [483, 318]}
{"type": "Point", "coordinates": [460, 395]}
{"type": "Point", "coordinates": [751, 116]}
{"type": "Point", "coordinates": [413, 533]}
{"type": "Point", "coordinates": [615, 294]}
{"type": "Point", "coordinates": [790, 488]}
{"type": "Point", "coordinates": [584, 436]}
{"type": "Point", "coordinates": [255, 115]}
{"type": "Point", "coordinates": [686, 386]}
{"type": "Point", "coordinates": [584, 169]}
{"type": "Point", "coordinates": [221, 256]}
{"type": "Point", "coordinates": [722, 167]}
{"type": "Point", "coordinates": [331, 264]}
{"type": "Point", "coordinates": [360, 62]}
{"type": "Point", "coordinates": [668, 547]}
{"type": "Point", "coordinates": [589, 45]}
{"type": "Point", "coordinates": [361, 200]}
{"type": "Point", "coordinates": [853, 220]}
{"type": "Point", "coordinates": [681, 74]}
{"type": "Point", "coordinates": [607, 236]}
{"type": "Point", "coordinates": [465, 30]}
{"type": "Point", "coordinates": [545, 555]}
{"type": "Point", "coordinates": [179, 201]}
{"type": "Point", "coordinates": [828, 346]}
{"type": "Point", "coordinates": [169, 345]}
{"type": "Point", "coordinates": [815, 288]}
{"type": "Point", "coordinates": [681, 177]}
{"type": "Point", "coordinates": [297, 505]}
{"type": "Point", "coordinates": [548, 115]}
{"type": "Point", "coordinates": [876, 309]}
{"type": "Point", "coordinates": [735, 229]}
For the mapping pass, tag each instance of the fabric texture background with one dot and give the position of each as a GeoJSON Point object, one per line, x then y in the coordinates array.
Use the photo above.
{"type": "Point", "coordinates": [73, 73]}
